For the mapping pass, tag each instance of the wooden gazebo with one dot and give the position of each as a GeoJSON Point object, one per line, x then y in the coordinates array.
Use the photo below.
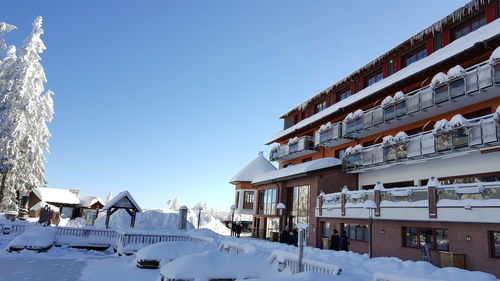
{"type": "Point", "coordinates": [122, 201]}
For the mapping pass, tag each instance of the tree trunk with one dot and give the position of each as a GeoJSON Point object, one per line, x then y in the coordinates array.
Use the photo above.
{"type": "Point", "coordinates": [2, 188]}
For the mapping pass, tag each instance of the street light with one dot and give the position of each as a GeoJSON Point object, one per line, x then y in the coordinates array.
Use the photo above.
{"type": "Point", "coordinates": [233, 208]}
{"type": "Point", "coordinates": [281, 208]}
{"type": "Point", "coordinates": [370, 205]}
{"type": "Point", "coordinates": [199, 216]}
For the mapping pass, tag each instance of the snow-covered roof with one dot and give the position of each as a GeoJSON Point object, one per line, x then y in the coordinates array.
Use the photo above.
{"type": "Point", "coordinates": [257, 167]}
{"type": "Point", "coordinates": [87, 201]}
{"type": "Point", "coordinates": [459, 45]}
{"type": "Point", "coordinates": [56, 195]}
{"type": "Point", "coordinates": [298, 169]}
{"type": "Point", "coordinates": [42, 204]}
{"type": "Point", "coordinates": [120, 196]}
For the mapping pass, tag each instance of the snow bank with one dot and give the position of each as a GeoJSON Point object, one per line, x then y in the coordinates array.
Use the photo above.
{"type": "Point", "coordinates": [439, 78]}
{"type": "Point", "coordinates": [215, 264]}
{"type": "Point", "coordinates": [34, 238]}
{"type": "Point", "coordinates": [165, 252]}
{"type": "Point", "coordinates": [456, 72]}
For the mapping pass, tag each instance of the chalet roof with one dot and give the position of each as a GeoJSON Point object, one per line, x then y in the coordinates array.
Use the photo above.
{"type": "Point", "coordinates": [42, 204]}
{"type": "Point", "coordinates": [458, 46]}
{"type": "Point", "coordinates": [257, 167]}
{"type": "Point", "coordinates": [87, 201]}
{"type": "Point", "coordinates": [297, 170]}
{"type": "Point", "coordinates": [435, 27]}
{"type": "Point", "coordinates": [120, 196]}
{"type": "Point", "coordinates": [56, 195]}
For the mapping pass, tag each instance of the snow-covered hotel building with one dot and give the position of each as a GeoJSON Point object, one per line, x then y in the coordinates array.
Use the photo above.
{"type": "Point", "coordinates": [428, 108]}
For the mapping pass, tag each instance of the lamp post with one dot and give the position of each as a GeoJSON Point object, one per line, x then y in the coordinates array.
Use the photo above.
{"type": "Point", "coordinates": [233, 208]}
{"type": "Point", "coordinates": [199, 216]}
{"type": "Point", "coordinates": [281, 208]}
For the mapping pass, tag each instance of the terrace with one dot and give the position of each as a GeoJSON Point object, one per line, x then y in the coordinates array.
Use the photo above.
{"type": "Point", "coordinates": [295, 147]}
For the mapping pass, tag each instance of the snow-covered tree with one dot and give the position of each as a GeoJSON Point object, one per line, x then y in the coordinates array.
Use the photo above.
{"type": "Point", "coordinates": [24, 113]}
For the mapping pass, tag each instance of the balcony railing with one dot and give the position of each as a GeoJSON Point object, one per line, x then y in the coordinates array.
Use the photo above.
{"type": "Point", "coordinates": [458, 84]}
{"type": "Point", "coordinates": [458, 135]}
{"type": "Point", "coordinates": [294, 148]}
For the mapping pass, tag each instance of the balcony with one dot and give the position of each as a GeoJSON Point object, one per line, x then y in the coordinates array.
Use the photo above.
{"type": "Point", "coordinates": [294, 148]}
{"type": "Point", "coordinates": [457, 89]}
{"type": "Point", "coordinates": [449, 138]}
{"type": "Point", "coordinates": [329, 135]}
{"type": "Point", "coordinates": [468, 202]}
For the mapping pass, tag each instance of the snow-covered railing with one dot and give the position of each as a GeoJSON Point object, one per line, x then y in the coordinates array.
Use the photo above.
{"type": "Point", "coordinates": [84, 236]}
{"type": "Point", "coordinates": [294, 148]}
{"type": "Point", "coordinates": [128, 243]}
{"type": "Point", "coordinates": [236, 248]}
{"type": "Point", "coordinates": [290, 261]}
{"type": "Point", "coordinates": [426, 198]}
{"type": "Point", "coordinates": [459, 135]}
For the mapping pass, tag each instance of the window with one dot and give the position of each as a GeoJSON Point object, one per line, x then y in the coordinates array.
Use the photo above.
{"type": "Point", "coordinates": [436, 239]}
{"type": "Point", "coordinates": [343, 95]}
{"type": "Point", "coordinates": [320, 106]}
{"type": "Point", "coordinates": [287, 165]}
{"type": "Point", "coordinates": [340, 153]}
{"type": "Point", "coordinates": [307, 159]}
{"type": "Point", "coordinates": [267, 201]}
{"type": "Point", "coordinates": [375, 78]}
{"type": "Point", "coordinates": [326, 232]}
{"type": "Point", "coordinates": [469, 27]}
{"type": "Point", "coordinates": [293, 147]}
{"type": "Point", "coordinates": [416, 56]}
{"type": "Point", "coordinates": [357, 232]}
{"type": "Point", "coordinates": [300, 204]}
{"type": "Point", "coordinates": [66, 212]}
{"type": "Point", "coordinates": [495, 244]}
{"type": "Point", "coordinates": [248, 200]}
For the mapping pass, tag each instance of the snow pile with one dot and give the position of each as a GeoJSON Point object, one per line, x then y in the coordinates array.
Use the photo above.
{"type": "Point", "coordinates": [387, 101]}
{"type": "Point", "coordinates": [353, 150]}
{"type": "Point", "coordinates": [325, 127]}
{"type": "Point", "coordinates": [388, 140]}
{"type": "Point", "coordinates": [401, 136]}
{"type": "Point", "coordinates": [457, 121]}
{"type": "Point", "coordinates": [441, 125]}
{"type": "Point", "coordinates": [165, 252]}
{"type": "Point", "coordinates": [456, 72]}
{"type": "Point", "coordinates": [438, 79]}
{"type": "Point", "coordinates": [399, 96]}
{"type": "Point", "coordinates": [495, 55]}
{"type": "Point", "coordinates": [214, 265]}
{"type": "Point", "coordinates": [35, 238]}
{"type": "Point", "coordinates": [354, 115]}
{"type": "Point", "coordinates": [163, 219]}
{"type": "Point", "coordinates": [293, 140]}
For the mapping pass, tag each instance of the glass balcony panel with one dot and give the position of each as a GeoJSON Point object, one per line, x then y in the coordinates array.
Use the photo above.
{"type": "Point", "coordinates": [293, 148]}
{"type": "Point", "coordinates": [377, 155]}
{"type": "Point", "coordinates": [489, 131]}
{"type": "Point", "coordinates": [441, 93]}
{"type": "Point", "coordinates": [426, 97]}
{"type": "Point", "coordinates": [275, 154]}
{"type": "Point", "coordinates": [475, 135]}
{"type": "Point", "coordinates": [401, 151]}
{"type": "Point", "coordinates": [389, 113]}
{"type": "Point", "coordinates": [400, 109]}
{"type": "Point", "coordinates": [414, 147]}
{"type": "Point", "coordinates": [350, 127]}
{"type": "Point", "coordinates": [367, 119]}
{"type": "Point", "coordinates": [367, 157]}
{"type": "Point", "coordinates": [390, 153]}
{"type": "Point", "coordinates": [336, 131]}
{"type": "Point", "coordinates": [326, 136]}
{"type": "Point", "coordinates": [427, 142]}
{"type": "Point", "coordinates": [412, 103]}
{"type": "Point", "coordinates": [471, 82]}
{"type": "Point", "coordinates": [491, 193]}
{"type": "Point", "coordinates": [460, 138]}
{"type": "Point", "coordinates": [354, 160]}
{"type": "Point", "coordinates": [496, 70]}
{"type": "Point", "coordinates": [359, 124]}
{"type": "Point", "coordinates": [457, 88]}
{"type": "Point", "coordinates": [378, 115]}
{"type": "Point", "coordinates": [443, 142]}
{"type": "Point", "coordinates": [484, 76]}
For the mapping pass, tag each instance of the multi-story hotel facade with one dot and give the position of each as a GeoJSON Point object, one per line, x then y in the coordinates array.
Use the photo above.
{"type": "Point", "coordinates": [402, 152]}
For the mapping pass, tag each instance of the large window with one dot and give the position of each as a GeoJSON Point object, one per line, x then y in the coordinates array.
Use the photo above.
{"type": "Point", "coordinates": [343, 95]}
{"type": "Point", "coordinates": [267, 202]}
{"type": "Point", "coordinates": [436, 239]}
{"type": "Point", "coordinates": [416, 56]}
{"type": "Point", "coordinates": [300, 204]}
{"type": "Point", "coordinates": [375, 78]}
{"type": "Point", "coordinates": [340, 153]}
{"type": "Point", "coordinates": [248, 200]}
{"type": "Point", "coordinates": [495, 244]}
{"type": "Point", "coordinates": [469, 27]}
{"type": "Point", "coordinates": [320, 106]}
{"type": "Point", "coordinates": [67, 212]}
{"type": "Point", "coordinates": [357, 232]}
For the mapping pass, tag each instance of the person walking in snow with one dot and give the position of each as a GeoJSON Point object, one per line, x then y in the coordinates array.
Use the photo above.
{"type": "Point", "coordinates": [334, 243]}
{"type": "Point", "coordinates": [294, 237]}
{"type": "Point", "coordinates": [344, 241]}
{"type": "Point", "coordinates": [238, 229]}
{"type": "Point", "coordinates": [285, 235]}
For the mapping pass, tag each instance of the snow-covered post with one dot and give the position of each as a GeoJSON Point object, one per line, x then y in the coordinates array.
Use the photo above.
{"type": "Point", "coordinates": [302, 237]}
{"type": "Point", "coordinates": [199, 216]}
{"type": "Point", "coordinates": [370, 205]}
{"type": "Point", "coordinates": [233, 209]}
{"type": "Point", "coordinates": [183, 217]}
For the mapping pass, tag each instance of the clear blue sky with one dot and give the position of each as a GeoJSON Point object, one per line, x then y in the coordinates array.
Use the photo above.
{"type": "Point", "coordinates": [169, 99]}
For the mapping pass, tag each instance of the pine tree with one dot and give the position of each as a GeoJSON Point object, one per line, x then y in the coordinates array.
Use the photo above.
{"type": "Point", "coordinates": [24, 113]}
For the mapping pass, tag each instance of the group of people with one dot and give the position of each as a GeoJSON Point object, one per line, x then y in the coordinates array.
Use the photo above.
{"type": "Point", "coordinates": [339, 242]}
{"type": "Point", "coordinates": [236, 229]}
{"type": "Point", "coordinates": [289, 237]}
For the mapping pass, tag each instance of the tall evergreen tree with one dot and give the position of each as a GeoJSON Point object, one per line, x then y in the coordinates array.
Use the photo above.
{"type": "Point", "coordinates": [24, 113]}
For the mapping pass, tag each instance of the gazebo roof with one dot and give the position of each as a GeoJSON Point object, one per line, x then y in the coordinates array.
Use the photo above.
{"type": "Point", "coordinates": [121, 201]}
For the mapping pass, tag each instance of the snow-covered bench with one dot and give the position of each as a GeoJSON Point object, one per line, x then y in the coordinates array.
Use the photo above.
{"type": "Point", "coordinates": [35, 238]}
{"type": "Point", "coordinates": [290, 261]}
